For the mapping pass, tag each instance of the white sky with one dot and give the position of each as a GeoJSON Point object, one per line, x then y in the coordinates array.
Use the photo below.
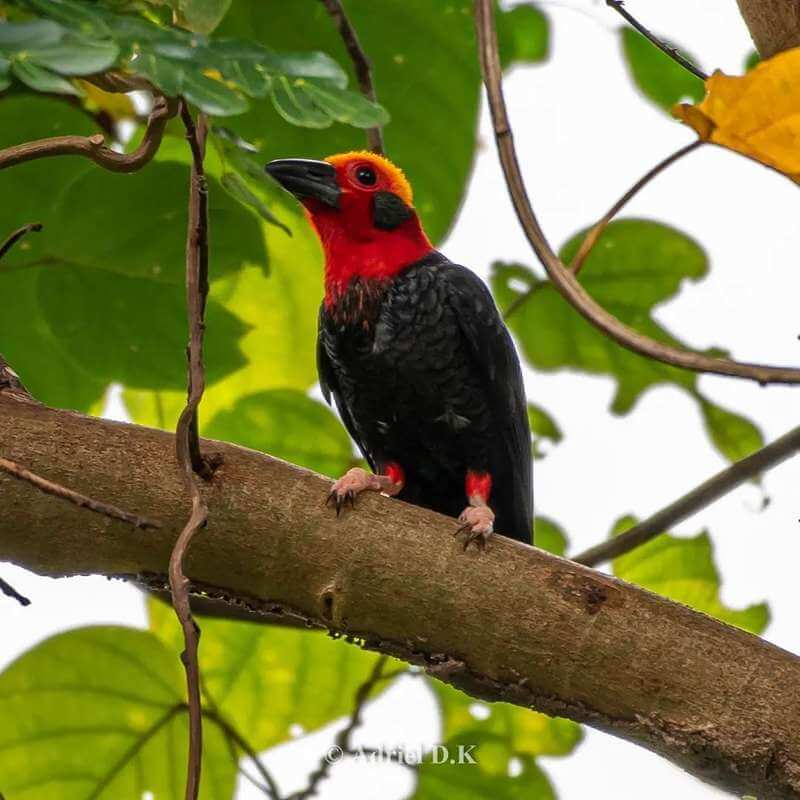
{"type": "Point", "coordinates": [584, 136]}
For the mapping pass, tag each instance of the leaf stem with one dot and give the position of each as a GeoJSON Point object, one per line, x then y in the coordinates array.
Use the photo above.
{"type": "Point", "coordinates": [703, 495]}
{"type": "Point", "coordinates": [597, 229]}
{"type": "Point", "coordinates": [619, 7]}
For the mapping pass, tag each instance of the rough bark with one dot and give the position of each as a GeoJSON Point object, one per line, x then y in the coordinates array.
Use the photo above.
{"type": "Point", "coordinates": [774, 24]}
{"type": "Point", "coordinates": [513, 623]}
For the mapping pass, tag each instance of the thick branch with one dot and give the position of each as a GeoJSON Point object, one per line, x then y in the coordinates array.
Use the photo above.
{"type": "Point", "coordinates": [774, 24]}
{"type": "Point", "coordinates": [562, 278]}
{"type": "Point", "coordinates": [513, 623]}
{"type": "Point", "coordinates": [692, 502]}
{"type": "Point", "coordinates": [360, 63]}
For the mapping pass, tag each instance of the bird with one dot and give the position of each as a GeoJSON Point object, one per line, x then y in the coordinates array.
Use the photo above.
{"type": "Point", "coordinates": [415, 354]}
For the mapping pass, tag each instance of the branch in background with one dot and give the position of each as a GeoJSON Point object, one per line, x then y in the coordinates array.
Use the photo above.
{"type": "Point", "coordinates": [236, 740]}
{"type": "Point", "coordinates": [19, 472]}
{"type": "Point", "coordinates": [342, 740]}
{"type": "Point", "coordinates": [93, 147]}
{"type": "Point", "coordinates": [706, 493]}
{"type": "Point", "coordinates": [17, 235]}
{"type": "Point", "coordinates": [561, 277]}
{"type": "Point", "coordinates": [186, 438]}
{"type": "Point", "coordinates": [411, 593]}
{"type": "Point", "coordinates": [619, 7]}
{"type": "Point", "coordinates": [361, 64]}
{"type": "Point", "coordinates": [9, 591]}
{"type": "Point", "coordinates": [597, 229]}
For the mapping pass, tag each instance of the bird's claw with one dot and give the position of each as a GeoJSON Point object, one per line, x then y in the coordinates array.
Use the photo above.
{"type": "Point", "coordinates": [341, 500]}
{"type": "Point", "coordinates": [477, 524]}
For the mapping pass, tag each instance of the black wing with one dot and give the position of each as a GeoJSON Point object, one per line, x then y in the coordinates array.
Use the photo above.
{"type": "Point", "coordinates": [329, 384]}
{"type": "Point", "coordinates": [496, 360]}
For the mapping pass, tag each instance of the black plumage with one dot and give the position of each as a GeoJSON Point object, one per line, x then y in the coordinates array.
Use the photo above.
{"type": "Point", "coordinates": [424, 373]}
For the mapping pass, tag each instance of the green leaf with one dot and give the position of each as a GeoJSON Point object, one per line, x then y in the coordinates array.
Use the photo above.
{"type": "Point", "coordinates": [523, 732]}
{"type": "Point", "coordinates": [271, 678]}
{"type": "Point", "coordinates": [543, 426]}
{"type": "Point", "coordinates": [75, 56]}
{"type": "Point", "coordinates": [40, 79]}
{"type": "Point", "coordinates": [212, 96]}
{"type": "Point", "coordinates": [100, 712]}
{"type": "Point", "coordinates": [131, 330]}
{"type": "Point", "coordinates": [634, 267]}
{"type": "Point", "coordinates": [16, 36]}
{"type": "Point", "coordinates": [200, 15]}
{"type": "Point", "coordinates": [550, 536]}
{"type": "Point", "coordinates": [290, 425]}
{"type": "Point", "coordinates": [345, 105]}
{"type": "Point", "coordinates": [236, 187]}
{"type": "Point", "coordinates": [83, 17]}
{"type": "Point", "coordinates": [657, 76]}
{"type": "Point", "coordinates": [465, 781]}
{"type": "Point", "coordinates": [684, 570]}
{"type": "Point", "coordinates": [523, 34]}
{"type": "Point", "coordinates": [294, 104]}
{"type": "Point", "coordinates": [752, 60]}
{"type": "Point", "coordinates": [425, 73]}
{"type": "Point", "coordinates": [733, 435]}
{"type": "Point", "coordinates": [499, 733]}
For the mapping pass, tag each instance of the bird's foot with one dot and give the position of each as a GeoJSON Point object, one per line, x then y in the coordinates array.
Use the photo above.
{"type": "Point", "coordinates": [477, 522]}
{"type": "Point", "coordinates": [356, 480]}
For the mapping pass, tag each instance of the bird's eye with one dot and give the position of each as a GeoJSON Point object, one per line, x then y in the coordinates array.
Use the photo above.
{"type": "Point", "coordinates": [366, 176]}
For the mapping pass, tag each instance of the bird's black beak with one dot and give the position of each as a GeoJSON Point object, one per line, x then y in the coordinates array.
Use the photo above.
{"type": "Point", "coordinates": [306, 178]}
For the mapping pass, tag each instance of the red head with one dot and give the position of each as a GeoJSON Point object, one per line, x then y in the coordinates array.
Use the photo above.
{"type": "Point", "coordinates": [360, 205]}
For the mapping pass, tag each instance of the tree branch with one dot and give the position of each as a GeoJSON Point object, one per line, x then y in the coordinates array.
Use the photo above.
{"type": "Point", "coordinates": [597, 229]}
{"type": "Point", "coordinates": [773, 24]}
{"type": "Point", "coordinates": [93, 147]}
{"type": "Point", "coordinates": [361, 65]}
{"type": "Point", "coordinates": [619, 7]}
{"type": "Point", "coordinates": [703, 495]}
{"type": "Point", "coordinates": [513, 623]}
{"type": "Point", "coordinates": [343, 738]}
{"type": "Point", "coordinates": [9, 591]}
{"type": "Point", "coordinates": [187, 446]}
{"type": "Point", "coordinates": [81, 500]}
{"type": "Point", "coordinates": [561, 277]}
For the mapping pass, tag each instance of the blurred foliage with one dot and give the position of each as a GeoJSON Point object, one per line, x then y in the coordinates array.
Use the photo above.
{"type": "Point", "coordinates": [659, 78]}
{"type": "Point", "coordinates": [100, 712]}
{"type": "Point", "coordinates": [635, 266]}
{"type": "Point", "coordinates": [756, 114]}
{"type": "Point", "coordinates": [268, 679]}
{"type": "Point", "coordinates": [543, 428]}
{"type": "Point", "coordinates": [684, 570]}
{"type": "Point", "coordinates": [99, 294]}
{"type": "Point", "coordinates": [218, 75]}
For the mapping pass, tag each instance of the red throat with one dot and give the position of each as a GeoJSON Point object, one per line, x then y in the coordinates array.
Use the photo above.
{"type": "Point", "coordinates": [354, 248]}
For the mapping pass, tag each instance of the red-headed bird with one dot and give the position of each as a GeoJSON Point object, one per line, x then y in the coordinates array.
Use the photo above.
{"type": "Point", "coordinates": [414, 352]}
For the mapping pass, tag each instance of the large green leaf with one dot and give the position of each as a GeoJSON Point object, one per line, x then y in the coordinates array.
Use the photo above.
{"type": "Point", "coordinates": [287, 424]}
{"type": "Point", "coordinates": [635, 266]}
{"type": "Point", "coordinates": [497, 736]}
{"type": "Point", "coordinates": [549, 535]}
{"type": "Point", "coordinates": [103, 282]}
{"type": "Point", "coordinates": [543, 428]}
{"type": "Point", "coordinates": [425, 74]}
{"type": "Point", "coordinates": [200, 15]}
{"type": "Point", "coordinates": [684, 570]}
{"type": "Point", "coordinates": [466, 781]}
{"type": "Point", "coordinates": [270, 679]}
{"type": "Point", "coordinates": [99, 713]}
{"type": "Point", "coordinates": [657, 76]}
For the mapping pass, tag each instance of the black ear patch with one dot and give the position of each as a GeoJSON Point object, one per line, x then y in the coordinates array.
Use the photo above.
{"type": "Point", "coordinates": [389, 211]}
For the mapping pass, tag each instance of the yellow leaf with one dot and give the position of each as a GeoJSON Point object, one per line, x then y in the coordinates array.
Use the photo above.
{"type": "Point", "coordinates": [118, 105]}
{"type": "Point", "coordinates": [757, 114]}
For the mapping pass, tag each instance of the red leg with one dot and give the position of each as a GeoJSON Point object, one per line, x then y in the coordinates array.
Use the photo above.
{"type": "Point", "coordinates": [477, 518]}
{"type": "Point", "coordinates": [356, 480]}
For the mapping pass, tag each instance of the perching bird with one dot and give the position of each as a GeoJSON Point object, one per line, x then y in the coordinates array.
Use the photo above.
{"type": "Point", "coordinates": [414, 352]}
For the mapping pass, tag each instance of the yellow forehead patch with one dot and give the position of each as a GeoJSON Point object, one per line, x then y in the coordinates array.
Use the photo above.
{"type": "Point", "coordinates": [398, 183]}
